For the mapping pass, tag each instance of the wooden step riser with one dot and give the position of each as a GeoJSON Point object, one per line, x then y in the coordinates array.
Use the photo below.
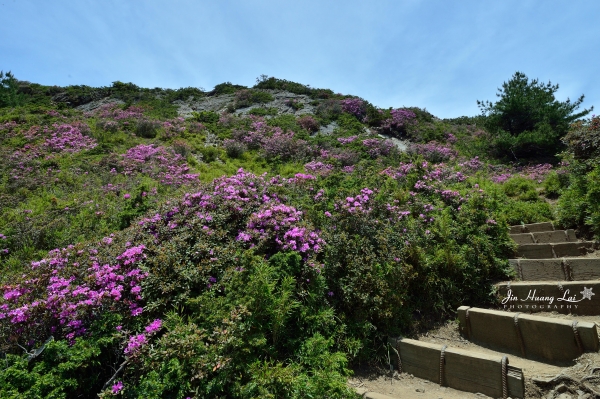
{"type": "Point", "coordinates": [545, 237]}
{"type": "Point", "coordinates": [463, 370]}
{"type": "Point", "coordinates": [566, 297]}
{"type": "Point", "coordinates": [560, 250]}
{"type": "Point", "coordinates": [568, 269]}
{"type": "Point", "coordinates": [529, 336]}
{"type": "Point", "coordinates": [532, 228]}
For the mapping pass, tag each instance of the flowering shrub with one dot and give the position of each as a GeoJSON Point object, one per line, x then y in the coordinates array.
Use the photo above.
{"type": "Point", "coordinates": [346, 140]}
{"type": "Point", "coordinates": [283, 146]}
{"type": "Point", "coordinates": [114, 112]}
{"type": "Point", "coordinates": [309, 123]}
{"type": "Point", "coordinates": [398, 121]}
{"type": "Point", "coordinates": [173, 128]}
{"type": "Point", "coordinates": [377, 147]}
{"type": "Point", "coordinates": [234, 148]}
{"type": "Point", "coordinates": [61, 296]}
{"type": "Point", "coordinates": [319, 168]}
{"type": "Point", "coordinates": [279, 223]}
{"type": "Point", "coordinates": [433, 152]}
{"type": "Point", "coordinates": [583, 139]}
{"type": "Point", "coordinates": [354, 106]}
{"type": "Point", "coordinates": [157, 162]}
{"type": "Point", "coordinates": [472, 165]}
{"type": "Point", "coordinates": [69, 138]}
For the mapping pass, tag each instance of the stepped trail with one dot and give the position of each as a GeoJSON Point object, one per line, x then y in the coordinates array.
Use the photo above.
{"type": "Point", "coordinates": [541, 340]}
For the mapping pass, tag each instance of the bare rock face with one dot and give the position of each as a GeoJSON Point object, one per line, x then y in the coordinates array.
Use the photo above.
{"type": "Point", "coordinates": [91, 106]}
{"type": "Point", "coordinates": [213, 103]}
{"type": "Point", "coordinates": [281, 102]}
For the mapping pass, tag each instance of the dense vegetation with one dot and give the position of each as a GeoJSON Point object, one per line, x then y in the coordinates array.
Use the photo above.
{"type": "Point", "coordinates": [246, 256]}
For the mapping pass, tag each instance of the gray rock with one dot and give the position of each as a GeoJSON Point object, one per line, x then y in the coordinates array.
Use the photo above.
{"type": "Point", "coordinates": [91, 106]}
{"type": "Point", "coordinates": [221, 102]}
{"type": "Point", "coordinates": [328, 130]}
{"type": "Point", "coordinates": [402, 145]}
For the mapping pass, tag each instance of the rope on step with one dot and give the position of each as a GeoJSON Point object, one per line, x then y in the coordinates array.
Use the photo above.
{"type": "Point", "coordinates": [577, 337]}
{"type": "Point", "coordinates": [398, 355]}
{"type": "Point", "coordinates": [519, 335]}
{"type": "Point", "coordinates": [553, 251]}
{"type": "Point", "coordinates": [504, 377]}
{"type": "Point", "coordinates": [442, 363]}
{"type": "Point", "coordinates": [533, 240]}
{"type": "Point", "coordinates": [567, 269]}
{"type": "Point", "coordinates": [468, 323]}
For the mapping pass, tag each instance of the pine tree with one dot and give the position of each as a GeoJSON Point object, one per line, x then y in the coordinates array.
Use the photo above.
{"type": "Point", "coordinates": [528, 120]}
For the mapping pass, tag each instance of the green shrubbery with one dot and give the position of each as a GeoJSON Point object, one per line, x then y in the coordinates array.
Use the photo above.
{"type": "Point", "coordinates": [579, 204]}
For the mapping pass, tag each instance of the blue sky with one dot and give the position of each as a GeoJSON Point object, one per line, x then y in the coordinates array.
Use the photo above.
{"type": "Point", "coordinates": [438, 55]}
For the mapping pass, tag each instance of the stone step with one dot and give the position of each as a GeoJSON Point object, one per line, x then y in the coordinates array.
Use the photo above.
{"type": "Point", "coordinates": [575, 297]}
{"type": "Point", "coordinates": [545, 237]}
{"type": "Point", "coordinates": [558, 250]}
{"type": "Point", "coordinates": [557, 269]}
{"type": "Point", "coordinates": [460, 369]}
{"type": "Point", "coordinates": [531, 228]}
{"type": "Point", "coordinates": [551, 340]}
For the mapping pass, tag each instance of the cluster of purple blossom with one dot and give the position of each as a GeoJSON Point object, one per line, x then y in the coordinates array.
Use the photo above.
{"type": "Point", "coordinates": [158, 162]}
{"type": "Point", "coordinates": [399, 172]}
{"type": "Point", "coordinates": [501, 178]}
{"type": "Point", "coordinates": [69, 138]}
{"type": "Point", "coordinates": [136, 342]}
{"type": "Point", "coordinates": [378, 147]}
{"type": "Point", "coordinates": [283, 145]}
{"type": "Point", "coordinates": [533, 172]}
{"type": "Point", "coordinates": [66, 294]}
{"type": "Point", "coordinates": [319, 168]}
{"type": "Point", "coordinates": [360, 203]}
{"type": "Point", "coordinates": [6, 127]}
{"type": "Point", "coordinates": [472, 165]}
{"type": "Point", "coordinates": [114, 111]}
{"type": "Point", "coordinates": [173, 128]}
{"type": "Point", "coordinates": [279, 223]}
{"type": "Point", "coordinates": [354, 106]}
{"type": "Point", "coordinates": [346, 140]}
{"type": "Point", "coordinates": [270, 222]}
{"type": "Point", "coordinates": [399, 119]}
{"type": "Point", "coordinates": [433, 151]}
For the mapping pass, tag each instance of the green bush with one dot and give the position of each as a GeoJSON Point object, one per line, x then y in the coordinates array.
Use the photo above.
{"type": "Point", "coordinates": [328, 111]}
{"type": "Point", "coordinates": [209, 153]}
{"type": "Point", "coordinates": [206, 116]}
{"type": "Point", "coordinates": [516, 212]}
{"type": "Point", "coordinates": [520, 187]}
{"type": "Point", "coordinates": [146, 128]}
{"type": "Point", "coordinates": [247, 97]}
{"type": "Point", "coordinates": [552, 185]}
{"type": "Point", "coordinates": [226, 88]}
